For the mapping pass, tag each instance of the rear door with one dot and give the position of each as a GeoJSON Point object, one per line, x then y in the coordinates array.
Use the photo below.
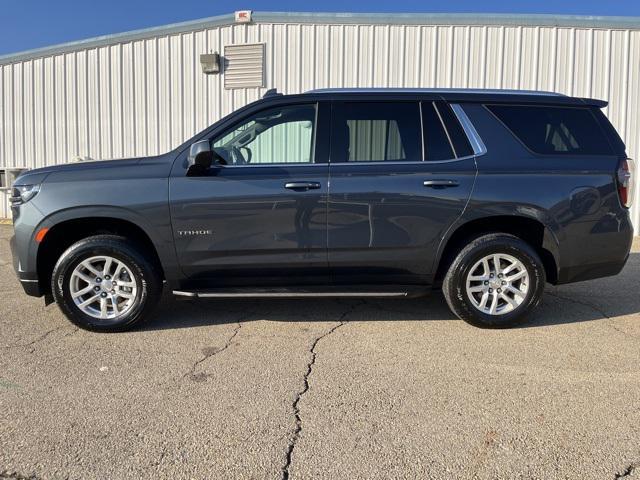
{"type": "Point", "coordinates": [392, 196]}
{"type": "Point", "coordinates": [260, 217]}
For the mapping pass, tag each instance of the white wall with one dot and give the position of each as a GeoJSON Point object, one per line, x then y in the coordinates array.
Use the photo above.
{"type": "Point", "coordinates": [145, 96]}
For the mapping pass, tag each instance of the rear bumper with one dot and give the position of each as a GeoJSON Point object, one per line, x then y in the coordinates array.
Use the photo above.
{"type": "Point", "coordinates": [597, 254]}
{"type": "Point", "coordinates": [29, 281]}
{"type": "Point", "coordinates": [589, 272]}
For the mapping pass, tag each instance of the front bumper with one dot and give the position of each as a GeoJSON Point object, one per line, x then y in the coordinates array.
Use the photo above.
{"type": "Point", "coordinates": [29, 281]}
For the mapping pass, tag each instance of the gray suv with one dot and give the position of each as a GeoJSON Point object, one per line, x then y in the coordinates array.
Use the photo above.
{"type": "Point", "coordinates": [485, 194]}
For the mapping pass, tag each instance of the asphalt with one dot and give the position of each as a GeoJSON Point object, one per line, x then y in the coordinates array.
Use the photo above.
{"type": "Point", "coordinates": [324, 389]}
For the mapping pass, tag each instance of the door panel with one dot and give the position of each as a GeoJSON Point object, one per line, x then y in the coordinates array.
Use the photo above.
{"type": "Point", "coordinates": [385, 225]}
{"type": "Point", "coordinates": [260, 217]}
{"type": "Point", "coordinates": [243, 223]}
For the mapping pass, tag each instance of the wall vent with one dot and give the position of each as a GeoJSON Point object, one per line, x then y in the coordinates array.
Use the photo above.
{"type": "Point", "coordinates": [244, 66]}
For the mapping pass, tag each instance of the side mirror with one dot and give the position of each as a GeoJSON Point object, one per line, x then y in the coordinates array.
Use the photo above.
{"type": "Point", "coordinates": [200, 156]}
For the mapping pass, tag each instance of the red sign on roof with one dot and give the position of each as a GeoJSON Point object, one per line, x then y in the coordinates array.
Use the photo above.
{"type": "Point", "coordinates": [243, 16]}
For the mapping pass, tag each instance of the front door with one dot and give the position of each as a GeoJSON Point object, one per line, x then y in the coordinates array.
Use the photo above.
{"type": "Point", "coordinates": [258, 216]}
{"type": "Point", "coordinates": [389, 208]}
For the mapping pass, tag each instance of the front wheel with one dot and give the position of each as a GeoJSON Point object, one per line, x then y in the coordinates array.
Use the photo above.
{"type": "Point", "coordinates": [495, 281]}
{"type": "Point", "coordinates": [104, 283]}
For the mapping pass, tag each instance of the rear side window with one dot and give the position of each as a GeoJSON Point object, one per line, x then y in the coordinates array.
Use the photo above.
{"type": "Point", "coordinates": [554, 130]}
{"type": "Point", "coordinates": [375, 132]}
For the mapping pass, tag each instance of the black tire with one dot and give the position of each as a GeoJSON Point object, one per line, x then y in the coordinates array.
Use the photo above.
{"type": "Point", "coordinates": [144, 271]}
{"type": "Point", "coordinates": [454, 286]}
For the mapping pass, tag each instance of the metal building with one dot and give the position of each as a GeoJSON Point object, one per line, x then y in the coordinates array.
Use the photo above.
{"type": "Point", "coordinates": [144, 92]}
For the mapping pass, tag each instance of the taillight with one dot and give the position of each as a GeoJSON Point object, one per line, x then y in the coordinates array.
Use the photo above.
{"type": "Point", "coordinates": [626, 181]}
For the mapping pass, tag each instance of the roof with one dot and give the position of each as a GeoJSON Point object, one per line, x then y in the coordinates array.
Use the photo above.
{"type": "Point", "coordinates": [578, 21]}
{"type": "Point", "coordinates": [471, 95]}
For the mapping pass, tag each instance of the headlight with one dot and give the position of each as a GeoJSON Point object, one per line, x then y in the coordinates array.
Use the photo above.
{"type": "Point", "coordinates": [23, 193]}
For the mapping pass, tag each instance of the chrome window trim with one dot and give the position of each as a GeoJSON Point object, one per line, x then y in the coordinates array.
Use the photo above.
{"type": "Point", "coordinates": [380, 162]}
{"type": "Point", "coordinates": [263, 165]}
{"type": "Point", "coordinates": [475, 140]}
{"type": "Point", "coordinates": [325, 164]}
{"type": "Point", "coordinates": [393, 162]}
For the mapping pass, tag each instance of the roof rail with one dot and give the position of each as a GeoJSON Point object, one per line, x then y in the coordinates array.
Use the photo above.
{"type": "Point", "coordinates": [437, 90]}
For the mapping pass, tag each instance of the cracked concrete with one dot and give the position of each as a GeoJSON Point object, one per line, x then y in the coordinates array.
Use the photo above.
{"type": "Point", "coordinates": [16, 476]}
{"type": "Point", "coordinates": [306, 386]}
{"type": "Point", "coordinates": [628, 472]}
{"type": "Point", "coordinates": [207, 353]}
{"type": "Point", "coordinates": [40, 338]}
{"type": "Point", "coordinates": [403, 390]}
{"type": "Point", "coordinates": [296, 403]}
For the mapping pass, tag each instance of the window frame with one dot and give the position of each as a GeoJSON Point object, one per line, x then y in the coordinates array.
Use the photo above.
{"type": "Point", "coordinates": [314, 144]}
{"type": "Point", "coordinates": [487, 106]}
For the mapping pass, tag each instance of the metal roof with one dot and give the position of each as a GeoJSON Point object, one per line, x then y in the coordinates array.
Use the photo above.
{"type": "Point", "coordinates": [597, 22]}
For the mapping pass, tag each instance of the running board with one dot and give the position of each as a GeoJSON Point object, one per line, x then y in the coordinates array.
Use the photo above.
{"type": "Point", "coordinates": [386, 291]}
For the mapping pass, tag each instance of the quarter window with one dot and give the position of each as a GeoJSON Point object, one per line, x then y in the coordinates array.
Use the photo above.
{"type": "Point", "coordinates": [554, 130]}
{"type": "Point", "coordinates": [459, 139]}
{"type": "Point", "coordinates": [376, 132]}
{"type": "Point", "coordinates": [274, 136]}
{"type": "Point", "coordinates": [436, 139]}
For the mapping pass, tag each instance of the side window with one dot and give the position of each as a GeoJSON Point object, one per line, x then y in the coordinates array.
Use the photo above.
{"type": "Point", "coordinates": [436, 140]}
{"type": "Point", "coordinates": [274, 136]}
{"type": "Point", "coordinates": [554, 130]}
{"type": "Point", "coordinates": [375, 132]}
{"type": "Point", "coordinates": [457, 136]}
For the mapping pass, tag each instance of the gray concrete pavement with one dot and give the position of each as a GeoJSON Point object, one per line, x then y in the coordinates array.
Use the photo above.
{"type": "Point", "coordinates": [324, 389]}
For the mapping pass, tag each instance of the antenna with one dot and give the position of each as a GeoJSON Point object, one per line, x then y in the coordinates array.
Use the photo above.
{"type": "Point", "coordinates": [272, 92]}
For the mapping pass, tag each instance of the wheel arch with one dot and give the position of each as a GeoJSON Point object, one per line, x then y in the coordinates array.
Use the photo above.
{"type": "Point", "coordinates": [66, 228]}
{"type": "Point", "coordinates": [531, 230]}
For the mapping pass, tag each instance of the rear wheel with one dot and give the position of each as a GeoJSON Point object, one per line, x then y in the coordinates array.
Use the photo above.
{"type": "Point", "coordinates": [495, 281]}
{"type": "Point", "coordinates": [104, 283]}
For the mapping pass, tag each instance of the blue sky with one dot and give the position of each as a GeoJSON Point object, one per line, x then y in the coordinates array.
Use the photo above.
{"type": "Point", "coordinates": [26, 24]}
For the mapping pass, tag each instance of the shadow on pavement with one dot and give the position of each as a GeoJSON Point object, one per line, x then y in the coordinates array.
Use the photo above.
{"type": "Point", "coordinates": [581, 302]}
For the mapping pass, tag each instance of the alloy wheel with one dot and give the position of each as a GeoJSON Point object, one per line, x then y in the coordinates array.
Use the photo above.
{"type": "Point", "coordinates": [103, 287]}
{"type": "Point", "coordinates": [497, 284]}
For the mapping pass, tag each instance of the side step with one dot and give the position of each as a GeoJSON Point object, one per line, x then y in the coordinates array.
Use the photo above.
{"type": "Point", "coordinates": [339, 291]}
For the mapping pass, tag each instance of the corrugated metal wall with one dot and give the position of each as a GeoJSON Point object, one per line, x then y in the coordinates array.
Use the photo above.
{"type": "Point", "coordinates": [146, 96]}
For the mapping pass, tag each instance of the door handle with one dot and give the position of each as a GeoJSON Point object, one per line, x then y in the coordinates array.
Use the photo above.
{"type": "Point", "coordinates": [302, 185]}
{"type": "Point", "coordinates": [440, 183]}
